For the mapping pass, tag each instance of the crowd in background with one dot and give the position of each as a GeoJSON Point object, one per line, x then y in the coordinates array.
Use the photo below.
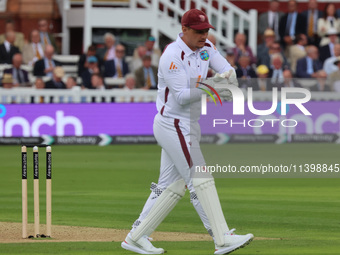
{"type": "Point", "coordinates": [292, 45]}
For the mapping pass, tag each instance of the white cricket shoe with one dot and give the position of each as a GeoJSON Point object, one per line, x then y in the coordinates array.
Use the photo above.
{"type": "Point", "coordinates": [141, 246]}
{"type": "Point", "coordinates": [233, 242]}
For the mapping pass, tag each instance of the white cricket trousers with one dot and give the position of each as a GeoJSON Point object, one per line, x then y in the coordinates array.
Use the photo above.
{"type": "Point", "coordinates": [180, 154]}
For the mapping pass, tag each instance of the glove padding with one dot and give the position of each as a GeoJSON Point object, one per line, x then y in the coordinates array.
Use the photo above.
{"type": "Point", "coordinates": [220, 81]}
{"type": "Point", "coordinates": [226, 95]}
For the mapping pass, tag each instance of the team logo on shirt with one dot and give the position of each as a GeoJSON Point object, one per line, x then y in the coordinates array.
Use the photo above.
{"type": "Point", "coordinates": [204, 55]}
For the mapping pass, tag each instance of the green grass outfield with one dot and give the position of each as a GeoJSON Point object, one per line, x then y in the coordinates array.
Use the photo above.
{"type": "Point", "coordinates": [107, 186]}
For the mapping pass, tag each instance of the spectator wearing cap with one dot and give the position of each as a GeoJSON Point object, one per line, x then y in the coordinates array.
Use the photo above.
{"type": "Point", "coordinates": [270, 19]}
{"type": "Point", "coordinates": [327, 22]}
{"type": "Point", "coordinates": [291, 24]}
{"type": "Point", "coordinates": [20, 76]}
{"type": "Point", "coordinates": [109, 51]}
{"type": "Point", "coordinates": [262, 72]}
{"type": "Point", "coordinates": [321, 82]}
{"type": "Point", "coordinates": [309, 66]}
{"type": "Point", "coordinates": [117, 67]}
{"type": "Point", "coordinates": [155, 53]}
{"type": "Point", "coordinates": [56, 81]}
{"type": "Point", "coordinates": [334, 77]}
{"type": "Point", "coordinates": [46, 65]}
{"type": "Point", "coordinates": [246, 74]}
{"type": "Point", "coordinates": [269, 39]}
{"type": "Point", "coordinates": [82, 63]}
{"type": "Point", "coordinates": [146, 76]}
{"type": "Point", "coordinates": [92, 68]}
{"type": "Point", "coordinates": [7, 49]}
{"type": "Point", "coordinates": [327, 50]}
{"type": "Point", "coordinates": [297, 51]}
{"type": "Point", "coordinates": [329, 65]}
{"type": "Point", "coordinates": [7, 81]}
{"type": "Point", "coordinates": [242, 49]}
{"type": "Point", "coordinates": [312, 15]}
{"type": "Point", "coordinates": [34, 50]}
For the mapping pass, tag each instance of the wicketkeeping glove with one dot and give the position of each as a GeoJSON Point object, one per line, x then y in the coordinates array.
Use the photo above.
{"type": "Point", "coordinates": [219, 82]}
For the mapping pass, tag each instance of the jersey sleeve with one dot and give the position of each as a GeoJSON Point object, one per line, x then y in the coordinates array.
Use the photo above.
{"type": "Point", "coordinates": [176, 79]}
{"type": "Point", "coordinates": [217, 62]}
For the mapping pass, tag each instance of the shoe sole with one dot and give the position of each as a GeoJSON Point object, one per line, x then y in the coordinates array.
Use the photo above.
{"type": "Point", "coordinates": [234, 248]}
{"type": "Point", "coordinates": [129, 247]}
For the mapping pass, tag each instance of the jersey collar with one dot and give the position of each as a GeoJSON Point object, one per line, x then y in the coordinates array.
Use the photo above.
{"type": "Point", "coordinates": [183, 45]}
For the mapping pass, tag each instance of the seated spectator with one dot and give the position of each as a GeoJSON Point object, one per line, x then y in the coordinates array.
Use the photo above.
{"type": "Point", "coordinates": [20, 76]}
{"type": "Point", "coordinates": [269, 39]}
{"type": "Point", "coordinates": [231, 57]}
{"type": "Point", "coordinates": [7, 49]}
{"type": "Point", "coordinates": [242, 49]}
{"type": "Point", "coordinates": [309, 66]}
{"type": "Point", "coordinates": [97, 81]}
{"type": "Point", "coordinates": [19, 37]}
{"type": "Point", "coordinates": [130, 82]}
{"type": "Point", "coordinates": [262, 72]}
{"type": "Point", "coordinates": [327, 50]}
{"type": "Point", "coordinates": [321, 82]}
{"type": "Point", "coordinates": [155, 53]}
{"type": "Point", "coordinates": [329, 65]}
{"type": "Point", "coordinates": [39, 84]}
{"type": "Point", "coordinates": [291, 24]}
{"type": "Point", "coordinates": [98, 84]}
{"type": "Point", "coordinates": [297, 51]}
{"type": "Point", "coordinates": [138, 54]}
{"type": "Point", "coordinates": [246, 74]}
{"type": "Point", "coordinates": [334, 77]}
{"type": "Point", "coordinates": [117, 67]}
{"type": "Point", "coordinates": [109, 51]}
{"type": "Point", "coordinates": [92, 68]}
{"type": "Point", "coordinates": [46, 38]}
{"type": "Point", "coordinates": [312, 15]}
{"type": "Point", "coordinates": [270, 19]}
{"type": "Point", "coordinates": [265, 58]}
{"type": "Point", "coordinates": [71, 82]}
{"type": "Point", "coordinates": [288, 81]}
{"type": "Point", "coordinates": [276, 70]}
{"type": "Point", "coordinates": [7, 81]}
{"type": "Point", "coordinates": [33, 51]}
{"type": "Point", "coordinates": [82, 63]}
{"type": "Point", "coordinates": [56, 81]}
{"type": "Point", "coordinates": [328, 21]}
{"type": "Point", "coordinates": [46, 65]}
{"type": "Point", "coordinates": [146, 76]}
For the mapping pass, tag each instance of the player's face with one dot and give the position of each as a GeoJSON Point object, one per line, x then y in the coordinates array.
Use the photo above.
{"type": "Point", "coordinates": [195, 39]}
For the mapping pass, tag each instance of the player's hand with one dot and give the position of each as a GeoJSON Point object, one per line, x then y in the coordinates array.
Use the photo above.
{"type": "Point", "coordinates": [226, 95]}
{"type": "Point", "coordinates": [220, 81]}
